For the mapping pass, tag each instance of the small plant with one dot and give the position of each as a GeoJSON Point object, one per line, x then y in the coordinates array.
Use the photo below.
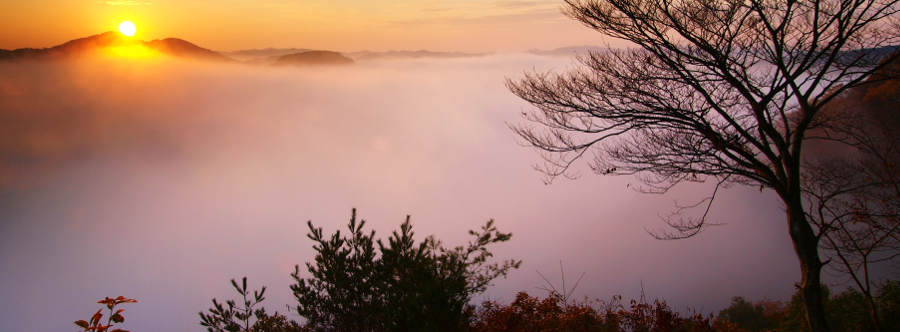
{"type": "Point", "coordinates": [237, 319]}
{"type": "Point", "coordinates": [95, 326]}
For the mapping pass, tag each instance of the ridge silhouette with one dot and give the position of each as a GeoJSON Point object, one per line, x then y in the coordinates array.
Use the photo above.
{"type": "Point", "coordinates": [83, 46]}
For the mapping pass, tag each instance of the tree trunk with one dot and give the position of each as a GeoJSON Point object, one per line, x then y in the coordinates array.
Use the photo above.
{"type": "Point", "coordinates": [873, 313]}
{"type": "Point", "coordinates": [806, 245]}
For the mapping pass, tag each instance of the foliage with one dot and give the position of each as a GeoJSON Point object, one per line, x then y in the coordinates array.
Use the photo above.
{"type": "Point", "coordinates": [846, 312]}
{"type": "Point", "coordinates": [94, 324]}
{"type": "Point", "coordinates": [888, 301]}
{"type": "Point", "coordinates": [529, 313]}
{"type": "Point", "coordinates": [237, 319]}
{"type": "Point", "coordinates": [748, 316]}
{"type": "Point", "coordinates": [403, 286]}
{"type": "Point", "coordinates": [717, 90]}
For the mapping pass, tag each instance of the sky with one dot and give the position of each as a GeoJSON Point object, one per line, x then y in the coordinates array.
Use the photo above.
{"type": "Point", "coordinates": [338, 25]}
{"type": "Point", "coordinates": [161, 179]}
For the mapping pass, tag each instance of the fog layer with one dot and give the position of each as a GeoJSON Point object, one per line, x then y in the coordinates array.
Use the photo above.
{"type": "Point", "coordinates": [161, 180]}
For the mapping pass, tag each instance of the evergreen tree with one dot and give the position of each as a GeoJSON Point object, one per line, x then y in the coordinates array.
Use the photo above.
{"type": "Point", "coordinates": [404, 286]}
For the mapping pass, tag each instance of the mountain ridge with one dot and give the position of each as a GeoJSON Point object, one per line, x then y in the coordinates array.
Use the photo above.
{"type": "Point", "coordinates": [313, 58]}
{"type": "Point", "coordinates": [82, 46]}
{"type": "Point", "coordinates": [269, 56]}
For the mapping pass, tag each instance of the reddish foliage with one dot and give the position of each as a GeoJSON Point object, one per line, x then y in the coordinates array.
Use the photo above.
{"type": "Point", "coordinates": [96, 326]}
{"type": "Point", "coordinates": [551, 314]}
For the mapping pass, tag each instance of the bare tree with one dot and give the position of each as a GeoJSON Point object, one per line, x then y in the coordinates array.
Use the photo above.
{"type": "Point", "coordinates": [853, 191]}
{"type": "Point", "coordinates": [716, 89]}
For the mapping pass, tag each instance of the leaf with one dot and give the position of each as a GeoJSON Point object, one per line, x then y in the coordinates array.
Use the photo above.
{"type": "Point", "coordinates": [83, 324]}
{"type": "Point", "coordinates": [96, 318]}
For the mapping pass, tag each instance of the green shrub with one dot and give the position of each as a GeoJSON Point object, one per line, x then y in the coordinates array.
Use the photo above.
{"type": "Point", "coordinates": [403, 286]}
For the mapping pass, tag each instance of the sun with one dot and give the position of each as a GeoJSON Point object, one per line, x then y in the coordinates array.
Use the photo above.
{"type": "Point", "coordinates": [127, 28]}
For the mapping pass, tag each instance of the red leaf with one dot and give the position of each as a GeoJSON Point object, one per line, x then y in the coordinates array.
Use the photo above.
{"type": "Point", "coordinates": [96, 318]}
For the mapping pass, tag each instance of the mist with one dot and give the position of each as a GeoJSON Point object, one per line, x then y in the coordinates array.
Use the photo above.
{"type": "Point", "coordinates": [161, 180]}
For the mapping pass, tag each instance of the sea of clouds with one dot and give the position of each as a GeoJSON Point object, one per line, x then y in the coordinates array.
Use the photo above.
{"type": "Point", "coordinates": [161, 180]}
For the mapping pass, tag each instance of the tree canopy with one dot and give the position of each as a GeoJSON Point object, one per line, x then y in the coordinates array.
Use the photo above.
{"type": "Point", "coordinates": [722, 90]}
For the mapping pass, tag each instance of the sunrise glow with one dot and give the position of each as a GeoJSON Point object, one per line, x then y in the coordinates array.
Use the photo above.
{"type": "Point", "coordinates": [131, 51]}
{"type": "Point", "coordinates": [127, 28]}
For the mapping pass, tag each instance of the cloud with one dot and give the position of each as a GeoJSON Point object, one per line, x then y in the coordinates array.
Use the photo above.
{"type": "Point", "coordinates": [525, 4]}
{"type": "Point", "coordinates": [161, 180]}
{"type": "Point", "coordinates": [439, 9]}
{"type": "Point", "coordinates": [490, 13]}
{"type": "Point", "coordinates": [526, 17]}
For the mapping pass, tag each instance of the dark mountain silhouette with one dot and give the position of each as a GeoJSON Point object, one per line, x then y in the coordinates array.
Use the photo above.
{"type": "Point", "coordinates": [368, 55]}
{"type": "Point", "coordinates": [267, 61]}
{"type": "Point", "coordinates": [255, 55]}
{"type": "Point", "coordinates": [84, 46]}
{"type": "Point", "coordinates": [184, 49]}
{"type": "Point", "coordinates": [270, 55]}
{"type": "Point", "coordinates": [313, 58]}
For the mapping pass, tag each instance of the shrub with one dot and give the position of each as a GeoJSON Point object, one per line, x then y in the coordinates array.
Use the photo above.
{"type": "Point", "coordinates": [529, 313]}
{"type": "Point", "coordinates": [403, 286]}
{"type": "Point", "coordinates": [749, 316]}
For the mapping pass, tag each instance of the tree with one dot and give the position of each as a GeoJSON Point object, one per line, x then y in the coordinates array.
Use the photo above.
{"type": "Point", "coordinates": [408, 287]}
{"type": "Point", "coordinates": [748, 316]}
{"type": "Point", "coordinates": [853, 186]}
{"type": "Point", "coordinates": [846, 311]}
{"type": "Point", "coordinates": [716, 89]}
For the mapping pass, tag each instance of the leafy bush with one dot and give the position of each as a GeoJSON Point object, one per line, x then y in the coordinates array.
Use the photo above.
{"type": "Point", "coordinates": [888, 302]}
{"type": "Point", "coordinates": [847, 311]}
{"type": "Point", "coordinates": [403, 286]}
{"type": "Point", "coordinates": [749, 316]}
{"type": "Point", "coordinates": [551, 314]}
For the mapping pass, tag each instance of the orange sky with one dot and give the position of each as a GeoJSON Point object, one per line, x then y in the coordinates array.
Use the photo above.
{"type": "Point", "coordinates": [340, 25]}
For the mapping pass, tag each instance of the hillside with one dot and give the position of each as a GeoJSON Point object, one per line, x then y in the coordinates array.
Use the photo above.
{"type": "Point", "coordinates": [313, 58]}
{"type": "Point", "coordinates": [89, 45]}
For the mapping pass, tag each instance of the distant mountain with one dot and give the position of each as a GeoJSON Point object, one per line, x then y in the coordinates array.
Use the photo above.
{"type": "Point", "coordinates": [270, 55]}
{"type": "Point", "coordinates": [79, 47]}
{"type": "Point", "coordinates": [267, 61]}
{"type": "Point", "coordinates": [369, 55]}
{"type": "Point", "coordinates": [181, 48]}
{"type": "Point", "coordinates": [313, 58]}
{"type": "Point", "coordinates": [255, 55]}
{"type": "Point", "coordinates": [569, 51]}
